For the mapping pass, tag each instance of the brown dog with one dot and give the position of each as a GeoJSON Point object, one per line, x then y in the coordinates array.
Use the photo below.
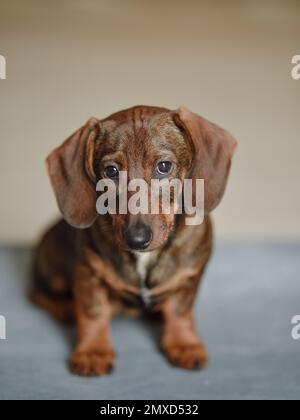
{"type": "Point", "coordinates": [96, 271]}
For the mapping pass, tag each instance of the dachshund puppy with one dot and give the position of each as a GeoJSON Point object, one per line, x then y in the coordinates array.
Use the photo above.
{"type": "Point", "coordinates": [90, 266]}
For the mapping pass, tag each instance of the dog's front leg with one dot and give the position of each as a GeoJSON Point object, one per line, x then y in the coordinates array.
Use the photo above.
{"type": "Point", "coordinates": [180, 341]}
{"type": "Point", "coordinates": [94, 354]}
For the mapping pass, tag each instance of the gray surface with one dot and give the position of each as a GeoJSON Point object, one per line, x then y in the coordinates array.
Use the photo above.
{"type": "Point", "coordinates": [244, 312]}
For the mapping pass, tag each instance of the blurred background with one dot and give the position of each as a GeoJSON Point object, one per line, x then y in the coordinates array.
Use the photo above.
{"type": "Point", "coordinates": [230, 61]}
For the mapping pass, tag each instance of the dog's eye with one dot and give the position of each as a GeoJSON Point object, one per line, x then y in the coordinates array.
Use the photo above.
{"type": "Point", "coordinates": [111, 171]}
{"type": "Point", "coordinates": [164, 168]}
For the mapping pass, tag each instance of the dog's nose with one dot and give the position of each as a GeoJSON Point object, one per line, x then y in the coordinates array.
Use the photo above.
{"type": "Point", "coordinates": [138, 237]}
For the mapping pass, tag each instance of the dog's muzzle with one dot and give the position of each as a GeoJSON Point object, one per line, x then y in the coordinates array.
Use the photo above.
{"type": "Point", "coordinates": [138, 236]}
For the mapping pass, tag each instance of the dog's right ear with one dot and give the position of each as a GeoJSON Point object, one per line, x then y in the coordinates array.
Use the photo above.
{"type": "Point", "coordinates": [70, 168]}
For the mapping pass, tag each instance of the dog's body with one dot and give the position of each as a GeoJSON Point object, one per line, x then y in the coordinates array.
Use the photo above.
{"type": "Point", "coordinates": [95, 272]}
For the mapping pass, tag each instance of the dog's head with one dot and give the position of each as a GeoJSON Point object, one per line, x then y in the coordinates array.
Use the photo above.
{"type": "Point", "coordinates": [148, 143]}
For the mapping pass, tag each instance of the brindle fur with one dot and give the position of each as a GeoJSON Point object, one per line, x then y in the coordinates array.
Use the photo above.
{"type": "Point", "coordinates": [89, 274]}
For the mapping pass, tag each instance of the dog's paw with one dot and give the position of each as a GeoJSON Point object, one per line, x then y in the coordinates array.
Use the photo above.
{"type": "Point", "coordinates": [187, 356]}
{"type": "Point", "coordinates": [92, 363]}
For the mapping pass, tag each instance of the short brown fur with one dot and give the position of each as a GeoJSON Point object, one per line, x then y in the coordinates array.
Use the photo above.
{"type": "Point", "coordinates": [83, 268]}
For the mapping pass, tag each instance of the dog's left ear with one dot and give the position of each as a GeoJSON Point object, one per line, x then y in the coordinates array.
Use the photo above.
{"type": "Point", "coordinates": [212, 149]}
{"type": "Point", "coordinates": [70, 168]}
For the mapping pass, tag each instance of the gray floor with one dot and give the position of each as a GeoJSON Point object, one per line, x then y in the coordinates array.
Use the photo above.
{"type": "Point", "coordinates": [244, 312]}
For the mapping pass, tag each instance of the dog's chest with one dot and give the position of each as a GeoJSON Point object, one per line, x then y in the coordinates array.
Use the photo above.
{"type": "Point", "coordinates": [144, 262]}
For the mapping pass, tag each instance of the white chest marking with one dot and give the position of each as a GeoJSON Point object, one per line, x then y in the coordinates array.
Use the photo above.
{"type": "Point", "coordinates": [143, 262]}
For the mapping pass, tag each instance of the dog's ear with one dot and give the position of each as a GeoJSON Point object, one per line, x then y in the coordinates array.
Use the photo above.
{"type": "Point", "coordinates": [70, 168]}
{"type": "Point", "coordinates": [212, 149]}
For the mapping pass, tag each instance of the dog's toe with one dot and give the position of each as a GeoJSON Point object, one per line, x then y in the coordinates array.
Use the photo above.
{"type": "Point", "coordinates": [187, 356]}
{"type": "Point", "coordinates": [89, 364]}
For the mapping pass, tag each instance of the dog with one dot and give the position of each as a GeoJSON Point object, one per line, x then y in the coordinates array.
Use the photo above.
{"type": "Point", "coordinates": [89, 267]}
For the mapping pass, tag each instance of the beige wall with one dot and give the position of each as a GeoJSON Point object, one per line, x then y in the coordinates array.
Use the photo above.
{"type": "Point", "coordinates": [227, 60]}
